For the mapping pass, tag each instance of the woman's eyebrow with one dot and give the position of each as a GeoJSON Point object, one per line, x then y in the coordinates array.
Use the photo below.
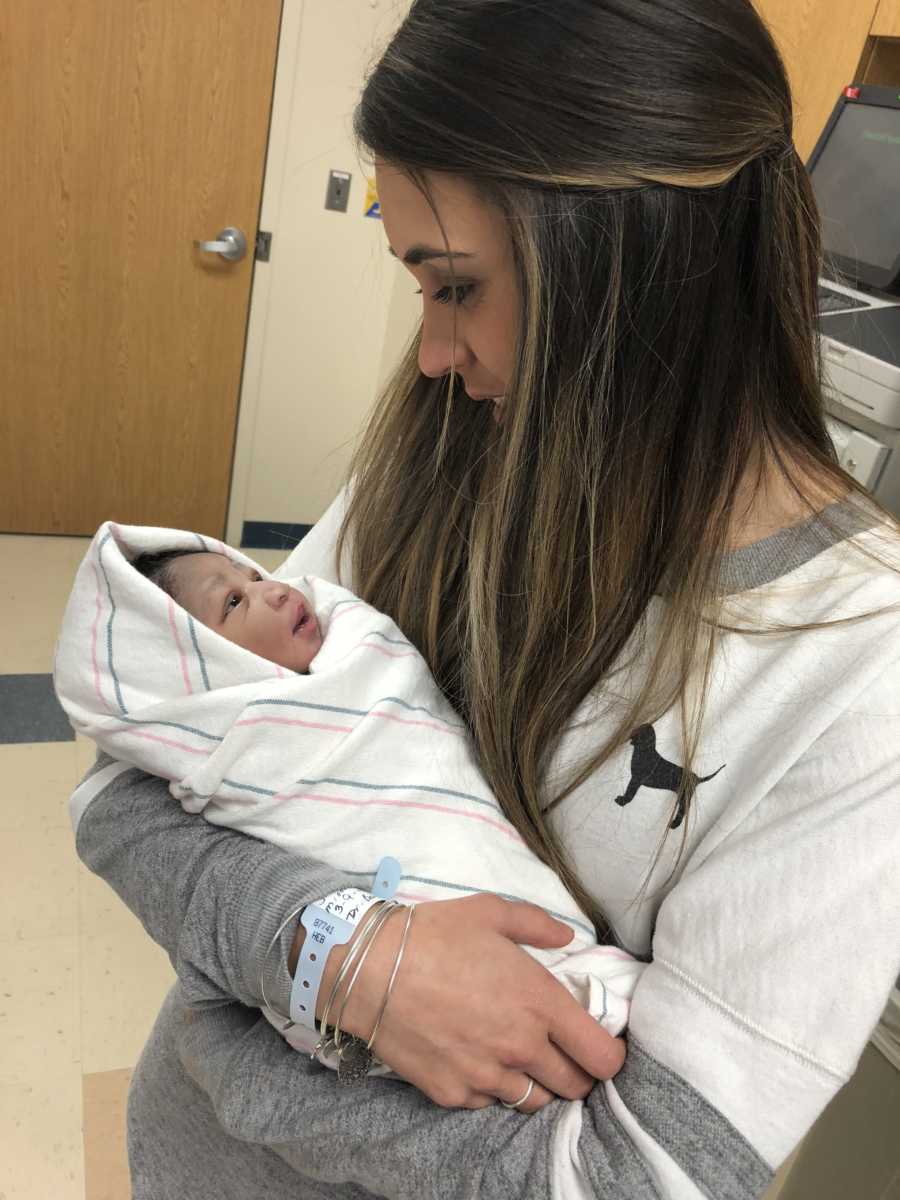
{"type": "Point", "coordinates": [416, 255]}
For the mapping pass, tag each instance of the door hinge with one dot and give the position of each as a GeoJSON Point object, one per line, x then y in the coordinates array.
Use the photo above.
{"type": "Point", "coordinates": [263, 250]}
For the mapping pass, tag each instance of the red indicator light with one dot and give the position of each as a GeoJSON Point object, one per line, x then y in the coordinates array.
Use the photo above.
{"type": "Point", "coordinates": [852, 93]}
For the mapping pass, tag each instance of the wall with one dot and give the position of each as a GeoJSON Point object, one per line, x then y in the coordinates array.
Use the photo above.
{"type": "Point", "coordinates": [403, 317]}
{"type": "Point", "coordinates": [320, 307]}
{"type": "Point", "coordinates": [331, 311]}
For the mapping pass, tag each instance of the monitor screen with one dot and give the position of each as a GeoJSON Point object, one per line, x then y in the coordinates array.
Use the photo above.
{"type": "Point", "coordinates": [856, 179]}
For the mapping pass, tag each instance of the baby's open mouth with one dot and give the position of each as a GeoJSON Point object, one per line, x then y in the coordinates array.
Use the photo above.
{"type": "Point", "coordinates": [302, 623]}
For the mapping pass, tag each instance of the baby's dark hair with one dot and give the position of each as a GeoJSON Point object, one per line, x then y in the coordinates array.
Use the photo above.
{"type": "Point", "coordinates": [158, 568]}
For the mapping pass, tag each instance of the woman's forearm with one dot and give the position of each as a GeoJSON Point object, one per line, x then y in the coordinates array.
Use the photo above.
{"type": "Point", "coordinates": [212, 898]}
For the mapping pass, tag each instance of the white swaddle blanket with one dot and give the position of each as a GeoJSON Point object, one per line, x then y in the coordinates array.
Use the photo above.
{"type": "Point", "coordinates": [359, 759]}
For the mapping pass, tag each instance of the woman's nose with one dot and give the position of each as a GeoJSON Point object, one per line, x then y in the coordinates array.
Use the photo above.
{"type": "Point", "coordinates": [435, 357]}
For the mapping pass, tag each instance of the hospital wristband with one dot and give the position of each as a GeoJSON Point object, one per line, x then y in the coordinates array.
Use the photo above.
{"type": "Point", "coordinates": [329, 922]}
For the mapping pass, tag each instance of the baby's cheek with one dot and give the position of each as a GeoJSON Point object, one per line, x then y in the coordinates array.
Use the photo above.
{"type": "Point", "coordinates": [317, 646]}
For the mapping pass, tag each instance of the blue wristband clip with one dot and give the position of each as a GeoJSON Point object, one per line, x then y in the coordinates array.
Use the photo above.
{"type": "Point", "coordinates": [387, 878]}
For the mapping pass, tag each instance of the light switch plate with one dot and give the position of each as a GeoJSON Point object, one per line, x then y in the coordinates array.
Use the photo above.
{"type": "Point", "coordinates": [338, 194]}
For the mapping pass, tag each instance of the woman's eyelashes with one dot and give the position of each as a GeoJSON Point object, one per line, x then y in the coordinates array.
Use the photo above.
{"type": "Point", "coordinates": [460, 293]}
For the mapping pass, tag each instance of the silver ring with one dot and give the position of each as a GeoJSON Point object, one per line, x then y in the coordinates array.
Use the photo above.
{"type": "Point", "coordinates": [528, 1092]}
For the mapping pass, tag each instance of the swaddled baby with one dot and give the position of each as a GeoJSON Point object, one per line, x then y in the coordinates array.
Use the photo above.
{"type": "Point", "coordinates": [299, 714]}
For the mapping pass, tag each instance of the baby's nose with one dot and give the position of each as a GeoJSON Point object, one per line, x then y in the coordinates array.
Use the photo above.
{"type": "Point", "coordinates": [272, 593]}
{"type": "Point", "coordinates": [275, 594]}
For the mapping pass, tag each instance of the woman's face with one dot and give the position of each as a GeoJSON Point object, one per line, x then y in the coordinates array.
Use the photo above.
{"type": "Point", "coordinates": [487, 310]}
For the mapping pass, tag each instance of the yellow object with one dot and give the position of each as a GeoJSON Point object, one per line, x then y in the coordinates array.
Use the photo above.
{"type": "Point", "coordinates": [373, 204]}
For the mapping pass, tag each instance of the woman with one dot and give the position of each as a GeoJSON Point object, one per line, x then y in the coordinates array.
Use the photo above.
{"type": "Point", "coordinates": [666, 614]}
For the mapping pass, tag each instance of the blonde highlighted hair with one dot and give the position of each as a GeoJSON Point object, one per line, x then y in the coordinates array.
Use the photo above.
{"type": "Point", "coordinates": [667, 251]}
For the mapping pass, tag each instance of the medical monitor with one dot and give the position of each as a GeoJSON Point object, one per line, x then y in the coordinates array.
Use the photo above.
{"type": "Point", "coordinates": [855, 174]}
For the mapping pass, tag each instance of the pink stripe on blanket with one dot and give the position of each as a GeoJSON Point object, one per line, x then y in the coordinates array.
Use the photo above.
{"type": "Point", "coordinates": [154, 737]}
{"type": "Point", "coordinates": [184, 667]}
{"type": "Point", "coordinates": [364, 645]}
{"type": "Point", "coordinates": [294, 721]}
{"type": "Point", "coordinates": [425, 724]}
{"type": "Point", "coordinates": [346, 609]}
{"type": "Point", "coordinates": [354, 802]}
{"type": "Point", "coordinates": [438, 728]}
{"type": "Point", "coordinates": [98, 602]}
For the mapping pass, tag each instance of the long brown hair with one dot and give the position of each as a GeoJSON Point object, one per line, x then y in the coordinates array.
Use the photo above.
{"type": "Point", "coordinates": [667, 249]}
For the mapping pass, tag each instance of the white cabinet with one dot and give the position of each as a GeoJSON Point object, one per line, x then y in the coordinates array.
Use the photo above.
{"type": "Point", "coordinates": [861, 455]}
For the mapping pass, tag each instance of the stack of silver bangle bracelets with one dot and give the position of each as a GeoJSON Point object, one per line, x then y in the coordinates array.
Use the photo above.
{"type": "Point", "coordinates": [354, 1055]}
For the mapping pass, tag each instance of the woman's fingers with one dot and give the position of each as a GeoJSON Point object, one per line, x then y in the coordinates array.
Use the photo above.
{"type": "Point", "coordinates": [529, 925]}
{"type": "Point", "coordinates": [538, 1098]}
{"type": "Point", "coordinates": [576, 1033]}
{"type": "Point", "coordinates": [581, 1050]}
{"type": "Point", "coordinates": [472, 1015]}
{"type": "Point", "coordinates": [527, 1099]}
{"type": "Point", "coordinates": [558, 1073]}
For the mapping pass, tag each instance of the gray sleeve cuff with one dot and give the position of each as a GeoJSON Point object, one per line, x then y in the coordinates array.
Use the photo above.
{"type": "Point", "coordinates": [229, 927]}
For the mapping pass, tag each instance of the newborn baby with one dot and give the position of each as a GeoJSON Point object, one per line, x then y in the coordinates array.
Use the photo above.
{"type": "Point", "coordinates": [302, 716]}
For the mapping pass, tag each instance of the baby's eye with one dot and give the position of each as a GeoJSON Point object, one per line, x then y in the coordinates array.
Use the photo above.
{"type": "Point", "coordinates": [228, 605]}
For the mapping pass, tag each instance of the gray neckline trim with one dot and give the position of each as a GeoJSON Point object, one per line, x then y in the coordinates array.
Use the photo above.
{"type": "Point", "coordinates": [776, 555]}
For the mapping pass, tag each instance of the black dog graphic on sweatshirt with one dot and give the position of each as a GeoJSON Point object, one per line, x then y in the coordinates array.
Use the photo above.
{"type": "Point", "coordinates": [650, 769]}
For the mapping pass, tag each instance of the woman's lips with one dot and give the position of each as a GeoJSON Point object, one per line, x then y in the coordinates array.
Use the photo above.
{"type": "Point", "coordinates": [497, 402]}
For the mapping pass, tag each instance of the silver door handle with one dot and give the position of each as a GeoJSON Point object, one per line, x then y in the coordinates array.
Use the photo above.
{"type": "Point", "coordinates": [230, 244]}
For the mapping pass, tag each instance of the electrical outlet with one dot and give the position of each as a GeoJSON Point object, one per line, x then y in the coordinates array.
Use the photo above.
{"type": "Point", "coordinates": [338, 193]}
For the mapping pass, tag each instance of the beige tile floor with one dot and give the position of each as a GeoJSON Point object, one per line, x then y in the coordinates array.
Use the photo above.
{"type": "Point", "coordinates": [80, 981]}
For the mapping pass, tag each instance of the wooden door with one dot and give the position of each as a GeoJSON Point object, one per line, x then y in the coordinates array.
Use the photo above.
{"type": "Point", "coordinates": [821, 42]}
{"type": "Point", "coordinates": [130, 128]}
{"type": "Point", "coordinates": [887, 19]}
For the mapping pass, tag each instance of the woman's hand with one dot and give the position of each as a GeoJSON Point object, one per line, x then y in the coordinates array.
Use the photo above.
{"type": "Point", "coordinates": [472, 1016]}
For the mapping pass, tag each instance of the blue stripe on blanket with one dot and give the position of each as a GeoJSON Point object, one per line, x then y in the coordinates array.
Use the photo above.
{"type": "Point", "coordinates": [198, 651]}
{"type": "Point", "coordinates": [371, 787]}
{"type": "Point", "coordinates": [212, 737]}
{"type": "Point", "coordinates": [394, 641]}
{"type": "Point", "coordinates": [403, 787]}
{"type": "Point", "coordinates": [457, 887]}
{"type": "Point", "coordinates": [358, 712]}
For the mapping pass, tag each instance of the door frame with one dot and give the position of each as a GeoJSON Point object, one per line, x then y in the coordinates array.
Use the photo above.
{"type": "Point", "coordinates": [286, 64]}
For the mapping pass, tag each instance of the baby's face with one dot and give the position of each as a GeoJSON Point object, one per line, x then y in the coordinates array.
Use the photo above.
{"type": "Point", "coordinates": [273, 620]}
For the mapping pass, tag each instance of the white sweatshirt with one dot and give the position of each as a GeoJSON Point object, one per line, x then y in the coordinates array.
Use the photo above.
{"type": "Point", "coordinates": [775, 945]}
